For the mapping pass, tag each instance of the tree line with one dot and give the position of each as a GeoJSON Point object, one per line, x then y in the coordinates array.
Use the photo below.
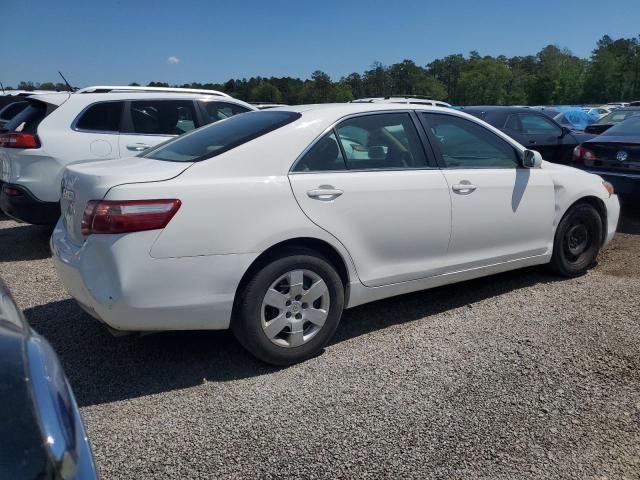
{"type": "Point", "coordinates": [553, 76]}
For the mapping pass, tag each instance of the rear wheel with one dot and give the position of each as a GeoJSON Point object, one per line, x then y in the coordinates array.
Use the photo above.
{"type": "Point", "coordinates": [577, 241]}
{"type": "Point", "coordinates": [290, 309]}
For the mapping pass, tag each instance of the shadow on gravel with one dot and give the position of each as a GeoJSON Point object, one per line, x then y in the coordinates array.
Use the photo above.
{"type": "Point", "coordinates": [629, 219]}
{"type": "Point", "coordinates": [24, 242]}
{"type": "Point", "coordinates": [103, 368]}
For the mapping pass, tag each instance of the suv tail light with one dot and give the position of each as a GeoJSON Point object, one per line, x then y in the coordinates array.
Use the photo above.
{"type": "Point", "coordinates": [581, 154]}
{"type": "Point", "coordinates": [19, 140]}
{"type": "Point", "coordinates": [125, 216]}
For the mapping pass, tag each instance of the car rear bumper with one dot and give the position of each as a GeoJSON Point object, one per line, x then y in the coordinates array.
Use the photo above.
{"type": "Point", "coordinates": [115, 280]}
{"type": "Point", "coordinates": [626, 184]}
{"type": "Point", "coordinates": [22, 205]}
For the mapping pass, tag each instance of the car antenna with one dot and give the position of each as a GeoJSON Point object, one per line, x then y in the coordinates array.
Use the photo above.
{"type": "Point", "coordinates": [65, 81]}
{"type": "Point", "coordinates": [2, 87]}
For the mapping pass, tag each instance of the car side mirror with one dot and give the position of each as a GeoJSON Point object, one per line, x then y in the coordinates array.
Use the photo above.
{"type": "Point", "coordinates": [531, 159]}
{"type": "Point", "coordinates": [565, 131]}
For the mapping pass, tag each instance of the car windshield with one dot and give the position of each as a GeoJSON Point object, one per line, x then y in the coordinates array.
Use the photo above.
{"type": "Point", "coordinates": [628, 128]}
{"type": "Point", "coordinates": [221, 136]}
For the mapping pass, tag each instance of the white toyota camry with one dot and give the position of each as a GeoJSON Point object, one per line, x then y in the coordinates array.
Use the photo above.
{"type": "Point", "coordinates": [273, 222]}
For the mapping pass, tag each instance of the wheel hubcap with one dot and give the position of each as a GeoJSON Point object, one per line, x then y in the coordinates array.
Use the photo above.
{"type": "Point", "coordinates": [295, 308]}
{"type": "Point", "coordinates": [576, 240]}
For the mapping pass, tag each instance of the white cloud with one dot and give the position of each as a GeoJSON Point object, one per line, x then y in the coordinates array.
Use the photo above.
{"type": "Point", "coordinates": [173, 60]}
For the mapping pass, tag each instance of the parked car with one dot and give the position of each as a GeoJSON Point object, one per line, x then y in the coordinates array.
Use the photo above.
{"type": "Point", "coordinates": [41, 431]}
{"type": "Point", "coordinates": [599, 112]}
{"type": "Point", "coordinates": [11, 110]}
{"type": "Point", "coordinates": [92, 124]}
{"type": "Point", "coordinates": [533, 130]}
{"type": "Point", "coordinates": [612, 119]}
{"type": "Point", "coordinates": [618, 104]}
{"type": "Point", "coordinates": [293, 214]}
{"type": "Point", "coordinates": [615, 156]}
{"type": "Point", "coordinates": [409, 99]}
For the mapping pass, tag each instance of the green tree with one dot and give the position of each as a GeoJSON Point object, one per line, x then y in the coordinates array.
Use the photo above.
{"type": "Point", "coordinates": [266, 92]}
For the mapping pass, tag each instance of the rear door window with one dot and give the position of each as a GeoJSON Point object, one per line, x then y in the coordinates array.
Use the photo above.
{"type": "Point", "coordinates": [101, 117]}
{"type": "Point", "coordinates": [220, 110]}
{"type": "Point", "coordinates": [221, 136]}
{"type": "Point", "coordinates": [27, 120]}
{"type": "Point", "coordinates": [381, 141]}
{"type": "Point", "coordinates": [162, 117]}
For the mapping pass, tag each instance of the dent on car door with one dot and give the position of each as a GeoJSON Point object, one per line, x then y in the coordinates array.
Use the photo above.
{"type": "Point", "coordinates": [150, 122]}
{"type": "Point", "coordinates": [369, 183]}
{"type": "Point", "coordinates": [500, 211]}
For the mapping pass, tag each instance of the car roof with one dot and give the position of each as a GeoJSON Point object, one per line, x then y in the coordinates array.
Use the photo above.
{"type": "Point", "coordinates": [500, 109]}
{"type": "Point", "coordinates": [89, 98]}
{"type": "Point", "coordinates": [357, 107]}
{"type": "Point", "coordinates": [129, 88]}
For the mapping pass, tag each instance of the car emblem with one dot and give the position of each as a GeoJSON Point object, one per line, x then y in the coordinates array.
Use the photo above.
{"type": "Point", "coordinates": [622, 156]}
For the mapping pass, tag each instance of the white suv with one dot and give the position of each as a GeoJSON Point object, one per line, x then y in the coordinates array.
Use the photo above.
{"type": "Point", "coordinates": [96, 123]}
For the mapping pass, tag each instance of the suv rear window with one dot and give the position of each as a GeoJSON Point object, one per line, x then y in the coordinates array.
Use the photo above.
{"type": "Point", "coordinates": [27, 120]}
{"type": "Point", "coordinates": [101, 117]}
{"type": "Point", "coordinates": [11, 110]}
{"type": "Point", "coordinates": [221, 136]}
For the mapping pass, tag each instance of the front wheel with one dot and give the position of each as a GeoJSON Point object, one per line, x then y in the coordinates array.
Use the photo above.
{"type": "Point", "coordinates": [290, 309]}
{"type": "Point", "coordinates": [577, 241]}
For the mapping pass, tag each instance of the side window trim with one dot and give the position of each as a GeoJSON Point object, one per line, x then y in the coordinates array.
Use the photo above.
{"type": "Point", "coordinates": [438, 152]}
{"type": "Point", "coordinates": [425, 145]}
{"type": "Point", "coordinates": [76, 120]}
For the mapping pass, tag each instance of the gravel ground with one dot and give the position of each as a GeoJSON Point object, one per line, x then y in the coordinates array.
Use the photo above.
{"type": "Point", "coordinates": [515, 376]}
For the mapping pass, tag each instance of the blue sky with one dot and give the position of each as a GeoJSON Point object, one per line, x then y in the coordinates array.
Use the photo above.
{"type": "Point", "coordinates": [115, 42]}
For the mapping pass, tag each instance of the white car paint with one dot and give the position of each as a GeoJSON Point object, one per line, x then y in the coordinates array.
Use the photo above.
{"type": "Point", "coordinates": [40, 169]}
{"type": "Point", "coordinates": [396, 231]}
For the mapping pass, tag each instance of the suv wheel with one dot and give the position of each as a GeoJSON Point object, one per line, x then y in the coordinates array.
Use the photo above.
{"type": "Point", "coordinates": [290, 309]}
{"type": "Point", "coordinates": [577, 241]}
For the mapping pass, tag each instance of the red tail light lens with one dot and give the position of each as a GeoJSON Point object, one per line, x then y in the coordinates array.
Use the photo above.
{"type": "Point", "coordinates": [19, 140]}
{"type": "Point", "coordinates": [582, 154]}
{"type": "Point", "coordinates": [125, 216]}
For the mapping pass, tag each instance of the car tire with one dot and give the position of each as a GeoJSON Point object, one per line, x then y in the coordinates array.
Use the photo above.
{"type": "Point", "coordinates": [279, 327]}
{"type": "Point", "coordinates": [577, 241]}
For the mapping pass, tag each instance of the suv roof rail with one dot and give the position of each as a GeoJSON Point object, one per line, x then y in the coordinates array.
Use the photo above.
{"type": "Point", "coordinates": [117, 89]}
{"type": "Point", "coordinates": [421, 97]}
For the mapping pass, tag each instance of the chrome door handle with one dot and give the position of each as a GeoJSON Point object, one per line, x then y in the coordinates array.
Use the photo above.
{"type": "Point", "coordinates": [137, 147]}
{"type": "Point", "coordinates": [463, 188]}
{"type": "Point", "coordinates": [325, 192]}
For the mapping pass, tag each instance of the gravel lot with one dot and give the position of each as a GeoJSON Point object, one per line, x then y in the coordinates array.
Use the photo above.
{"type": "Point", "coordinates": [515, 376]}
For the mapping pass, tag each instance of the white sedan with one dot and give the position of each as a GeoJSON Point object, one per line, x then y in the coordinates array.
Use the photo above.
{"type": "Point", "coordinates": [273, 222]}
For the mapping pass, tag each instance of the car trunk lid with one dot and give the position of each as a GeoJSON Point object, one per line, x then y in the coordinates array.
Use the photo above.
{"type": "Point", "coordinates": [84, 182]}
{"type": "Point", "coordinates": [616, 153]}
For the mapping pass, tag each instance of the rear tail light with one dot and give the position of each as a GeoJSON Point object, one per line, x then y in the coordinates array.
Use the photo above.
{"type": "Point", "coordinates": [19, 140]}
{"type": "Point", "coordinates": [11, 192]}
{"type": "Point", "coordinates": [582, 154]}
{"type": "Point", "coordinates": [125, 216]}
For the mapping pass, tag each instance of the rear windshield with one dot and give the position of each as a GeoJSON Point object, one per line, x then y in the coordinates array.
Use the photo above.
{"type": "Point", "coordinates": [221, 136]}
{"type": "Point", "coordinates": [27, 120]}
{"type": "Point", "coordinates": [628, 128]}
{"type": "Point", "coordinates": [618, 116]}
{"type": "Point", "coordinates": [11, 110]}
